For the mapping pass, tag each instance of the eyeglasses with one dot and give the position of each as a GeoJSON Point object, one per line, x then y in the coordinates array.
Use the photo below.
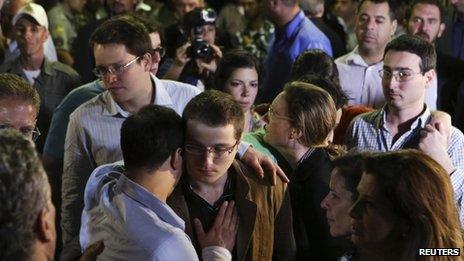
{"type": "Point", "coordinates": [34, 133]}
{"type": "Point", "coordinates": [160, 50]}
{"type": "Point", "coordinates": [116, 69]}
{"type": "Point", "coordinates": [219, 152]}
{"type": "Point", "coordinates": [273, 114]}
{"type": "Point", "coordinates": [400, 75]}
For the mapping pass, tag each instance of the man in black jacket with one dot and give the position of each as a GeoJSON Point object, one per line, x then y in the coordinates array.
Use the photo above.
{"type": "Point", "coordinates": [426, 19]}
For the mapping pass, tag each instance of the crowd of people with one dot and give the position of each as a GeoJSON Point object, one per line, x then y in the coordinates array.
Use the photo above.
{"type": "Point", "coordinates": [231, 130]}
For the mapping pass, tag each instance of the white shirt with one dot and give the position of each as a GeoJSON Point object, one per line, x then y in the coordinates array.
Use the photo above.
{"type": "Point", "coordinates": [363, 85]}
{"type": "Point", "coordinates": [93, 139]}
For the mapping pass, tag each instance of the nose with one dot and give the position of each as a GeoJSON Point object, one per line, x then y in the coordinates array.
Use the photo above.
{"type": "Point", "coordinates": [324, 204]}
{"type": "Point", "coordinates": [423, 27]}
{"type": "Point", "coordinates": [109, 77]}
{"type": "Point", "coordinates": [207, 158]}
{"type": "Point", "coordinates": [390, 82]}
{"type": "Point", "coordinates": [355, 210]}
{"type": "Point", "coordinates": [156, 57]}
{"type": "Point", "coordinates": [245, 90]}
{"type": "Point", "coordinates": [370, 24]}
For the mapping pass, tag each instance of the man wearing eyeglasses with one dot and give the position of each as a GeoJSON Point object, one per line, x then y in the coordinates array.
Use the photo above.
{"type": "Point", "coordinates": [19, 105]}
{"type": "Point", "coordinates": [53, 80]}
{"type": "Point", "coordinates": [124, 59]}
{"type": "Point", "coordinates": [123, 55]}
{"type": "Point", "coordinates": [405, 120]}
{"type": "Point", "coordinates": [213, 123]}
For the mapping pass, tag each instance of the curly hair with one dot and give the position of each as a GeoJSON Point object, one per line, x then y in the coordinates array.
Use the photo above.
{"type": "Point", "coordinates": [24, 191]}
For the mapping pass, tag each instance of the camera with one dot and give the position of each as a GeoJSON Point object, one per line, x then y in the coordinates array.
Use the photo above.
{"type": "Point", "coordinates": [200, 49]}
{"type": "Point", "coordinates": [193, 24]}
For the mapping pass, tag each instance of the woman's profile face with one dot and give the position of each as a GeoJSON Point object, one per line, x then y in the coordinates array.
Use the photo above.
{"type": "Point", "coordinates": [243, 86]}
{"type": "Point", "coordinates": [278, 127]}
{"type": "Point", "coordinates": [372, 215]}
{"type": "Point", "coordinates": [337, 205]}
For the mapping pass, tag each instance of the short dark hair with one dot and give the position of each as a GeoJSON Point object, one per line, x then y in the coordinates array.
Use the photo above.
{"type": "Point", "coordinates": [151, 26]}
{"type": "Point", "coordinates": [13, 86]}
{"type": "Point", "coordinates": [215, 109]}
{"type": "Point", "coordinates": [335, 90]}
{"type": "Point", "coordinates": [24, 191]}
{"type": "Point", "coordinates": [349, 167]}
{"type": "Point", "coordinates": [150, 136]}
{"type": "Point", "coordinates": [416, 45]}
{"type": "Point", "coordinates": [436, 3]}
{"type": "Point", "coordinates": [314, 62]}
{"type": "Point", "coordinates": [231, 61]}
{"type": "Point", "coordinates": [392, 5]}
{"type": "Point", "coordinates": [290, 3]}
{"type": "Point", "coordinates": [125, 30]}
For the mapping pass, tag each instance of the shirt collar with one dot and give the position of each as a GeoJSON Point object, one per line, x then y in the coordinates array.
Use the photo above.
{"type": "Point", "coordinates": [291, 26]}
{"type": "Point", "coordinates": [162, 96]}
{"type": "Point", "coordinates": [47, 67]}
{"type": "Point", "coordinates": [159, 90]}
{"type": "Point", "coordinates": [150, 201]}
{"type": "Point", "coordinates": [354, 58]}
{"type": "Point", "coordinates": [420, 121]}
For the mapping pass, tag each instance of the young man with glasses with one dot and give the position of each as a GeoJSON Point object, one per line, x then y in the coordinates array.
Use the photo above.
{"type": "Point", "coordinates": [148, 229]}
{"type": "Point", "coordinates": [213, 123]}
{"type": "Point", "coordinates": [124, 59]}
{"type": "Point", "coordinates": [405, 120]}
{"type": "Point", "coordinates": [19, 105]}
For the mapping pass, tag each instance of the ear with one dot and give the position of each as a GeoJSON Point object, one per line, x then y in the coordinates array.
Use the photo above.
{"type": "Point", "coordinates": [45, 35]}
{"type": "Point", "coordinates": [46, 224]}
{"type": "Point", "coordinates": [441, 30]}
{"type": "Point", "coordinates": [394, 25]}
{"type": "Point", "coordinates": [429, 75]}
{"type": "Point", "coordinates": [146, 62]}
{"type": "Point", "coordinates": [176, 159]}
{"type": "Point", "coordinates": [295, 134]}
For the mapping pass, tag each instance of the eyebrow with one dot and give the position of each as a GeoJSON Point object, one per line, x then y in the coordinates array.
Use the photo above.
{"type": "Point", "coordinates": [397, 68]}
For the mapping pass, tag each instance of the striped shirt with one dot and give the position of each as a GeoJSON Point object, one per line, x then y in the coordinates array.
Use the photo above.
{"type": "Point", "coordinates": [368, 131]}
{"type": "Point", "coordinates": [93, 139]}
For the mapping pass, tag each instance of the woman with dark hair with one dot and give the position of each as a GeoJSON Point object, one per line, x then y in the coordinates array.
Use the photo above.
{"type": "Point", "coordinates": [317, 62]}
{"type": "Point", "coordinates": [345, 176]}
{"type": "Point", "coordinates": [300, 120]}
{"type": "Point", "coordinates": [405, 203]}
{"type": "Point", "coordinates": [238, 74]}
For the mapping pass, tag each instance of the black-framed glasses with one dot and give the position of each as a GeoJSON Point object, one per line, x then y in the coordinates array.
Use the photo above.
{"type": "Point", "coordinates": [160, 50]}
{"type": "Point", "coordinates": [399, 75]}
{"type": "Point", "coordinates": [116, 69]}
{"type": "Point", "coordinates": [219, 152]}
{"type": "Point", "coordinates": [27, 132]}
{"type": "Point", "coordinates": [271, 112]}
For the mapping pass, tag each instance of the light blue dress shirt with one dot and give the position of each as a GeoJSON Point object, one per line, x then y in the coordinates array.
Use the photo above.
{"type": "Point", "coordinates": [299, 35]}
{"type": "Point", "coordinates": [132, 222]}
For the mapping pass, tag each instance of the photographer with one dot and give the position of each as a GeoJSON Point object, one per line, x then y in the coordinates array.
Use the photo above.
{"type": "Point", "coordinates": [196, 60]}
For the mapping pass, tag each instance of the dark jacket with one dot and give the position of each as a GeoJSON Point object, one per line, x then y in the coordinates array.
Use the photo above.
{"type": "Point", "coordinates": [450, 81]}
{"type": "Point", "coordinates": [309, 184]}
{"type": "Point", "coordinates": [265, 229]}
{"type": "Point", "coordinates": [54, 82]}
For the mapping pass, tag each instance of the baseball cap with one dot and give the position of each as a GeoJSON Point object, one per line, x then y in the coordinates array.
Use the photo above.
{"type": "Point", "coordinates": [35, 11]}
